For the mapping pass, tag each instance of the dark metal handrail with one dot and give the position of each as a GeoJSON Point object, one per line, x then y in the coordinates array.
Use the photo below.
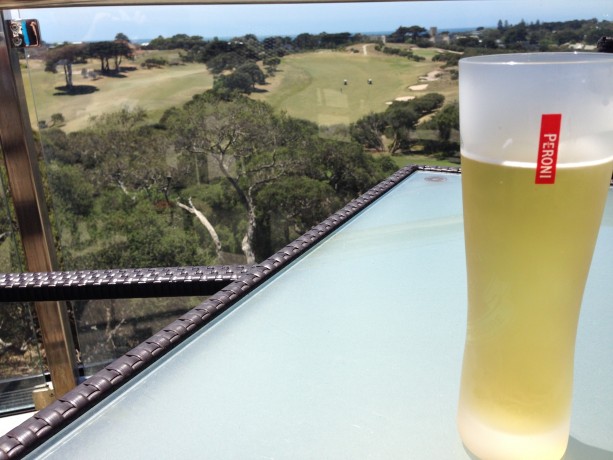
{"type": "Point", "coordinates": [117, 283]}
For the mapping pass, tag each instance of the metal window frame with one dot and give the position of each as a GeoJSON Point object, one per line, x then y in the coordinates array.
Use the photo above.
{"type": "Point", "coordinates": [8, 4]}
{"type": "Point", "coordinates": [25, 183]}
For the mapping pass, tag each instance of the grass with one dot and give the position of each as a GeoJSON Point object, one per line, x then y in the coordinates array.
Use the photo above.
{"type": "Point", "coordinates": [307, 85]}
{"type": "Point", "coordinates": [155, 90]}
{"type": "Point", "coordinates": [311, 85]}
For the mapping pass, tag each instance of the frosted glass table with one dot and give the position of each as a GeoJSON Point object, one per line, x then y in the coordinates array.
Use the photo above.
{"type": "Point", "coordinates": [353, 351]}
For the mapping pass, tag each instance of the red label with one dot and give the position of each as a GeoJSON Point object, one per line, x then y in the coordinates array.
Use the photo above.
{"type": "Point", "coordinates": [548, 148]}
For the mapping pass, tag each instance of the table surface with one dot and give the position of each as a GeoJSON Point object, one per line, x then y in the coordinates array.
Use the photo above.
{"type": "Point", "coordinates": [352, 351]}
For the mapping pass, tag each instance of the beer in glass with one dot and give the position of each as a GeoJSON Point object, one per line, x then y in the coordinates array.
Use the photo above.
{"type": "Point", "coordinates": [537, 159]}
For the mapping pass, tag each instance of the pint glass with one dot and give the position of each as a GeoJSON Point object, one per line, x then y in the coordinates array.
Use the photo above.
{"type": "Point", "coordinates": [537, 158]}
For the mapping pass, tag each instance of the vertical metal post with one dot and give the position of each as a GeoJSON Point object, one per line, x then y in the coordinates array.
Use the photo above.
{"type": "Point", "coordinates": [31, 211]}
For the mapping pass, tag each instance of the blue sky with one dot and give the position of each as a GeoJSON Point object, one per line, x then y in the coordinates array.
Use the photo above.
{"type": "Point", "coordinates": [145, 22]}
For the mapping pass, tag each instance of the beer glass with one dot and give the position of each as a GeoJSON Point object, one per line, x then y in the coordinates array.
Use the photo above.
{"type": "Point", "coordinates": [537, 158]}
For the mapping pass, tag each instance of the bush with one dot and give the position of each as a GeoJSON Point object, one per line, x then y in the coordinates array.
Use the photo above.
{"type": "Point", "coordinates": [154, 62]}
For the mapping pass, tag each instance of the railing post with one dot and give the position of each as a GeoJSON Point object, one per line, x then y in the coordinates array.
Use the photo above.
{"type": "Point", "coordinates": [25, 183]}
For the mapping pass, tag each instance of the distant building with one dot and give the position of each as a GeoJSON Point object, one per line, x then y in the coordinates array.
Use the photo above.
{"type": "Point", "coordinates": [442, 38]}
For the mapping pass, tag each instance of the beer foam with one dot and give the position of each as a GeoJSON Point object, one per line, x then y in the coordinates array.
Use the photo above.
{"type": "Point", "coordinates": [532, 165]}
{"type": "Point", "coordinates": [581, 152]}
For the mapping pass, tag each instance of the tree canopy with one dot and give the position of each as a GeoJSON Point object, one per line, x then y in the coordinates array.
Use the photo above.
{"type": "Point", "coordinates": [141, 190]}
{"type": "Point", "coordinates": [106, 51]}
{"type": "Point", "coordinates": [396, 124]}
{"type": "Point", "coordinates": [65, 55]}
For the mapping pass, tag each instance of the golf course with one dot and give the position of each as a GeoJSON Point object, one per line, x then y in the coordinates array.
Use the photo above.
{"type": "Point", "coordinates": [326, 87]}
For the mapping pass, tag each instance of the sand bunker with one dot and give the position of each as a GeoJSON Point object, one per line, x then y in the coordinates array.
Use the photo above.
{"type": "Point", "coordinates": [432, 76]}
{"type": "Point", "coordinates": [418, 87]}
{"type": "Point", "coordinates": [401, 99]}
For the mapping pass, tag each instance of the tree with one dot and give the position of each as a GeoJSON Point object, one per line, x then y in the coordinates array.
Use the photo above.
{"type": "Point", "coordinates": [224, 61]}
{"type": "Point", "coordinates": [120, 184]}
{"type": "Point", "coordinates": [57, 119]}
{"type": "Point", "coordinates": [179, 41]}
{"type": "Point", "coordinates": [368, 131]}
{"type": "Point", "coordinates": [333, 41]}
{"type": "Point", "coordinates": [294, 204]}
{"type": "Point", "coordinates": [516, 35]}
{"type": "Point", "coordinates": [568, 35]}
{"type": "Point", "coordinates": [261, 155]}
{"type": "Point", "coordinates": [447, 120]}
{"type": "Point", "coordinates": [119, 151]}
{"type": "Point", "coordinates": [255, 73]}
{"type": "Point", "coordinates": [271, 64]}
{"type": "Point", "coordinates": [306, 41]}
{"type": "Point", "coordinates": [401, 119]}
{"type": "Point", "coordinates": [407, 34]}
{"type": "Point", "coordinates": [207, 224]}
{"type": "Point", "coordinates": [427, 104]}
{"type": "Point", "coordinates": [242, 137]}
{"type": "Point", "coordinates": [468, 41]}
{"type": "Point", "coordinates": [56, 146]}
{"type": "Point", "coordinates": [106, 51]}
{"type": "Point", "coordinates": [276, 46]}
{"type": "Point", "coordinates": [347, 168]}
{"type": "Point", "coordinates": [102, 51]}
{"type": "Point", "coordinates": [65, 55]}
{"type": "Point", "coordinates": [121, 37]}
{"type": "Point", "coordinates": [121, 49]}
{"type": "Point", "coordinates": [17, 340]}
{"type": "Point", "coordinates": [72, 191]}
{"type": "Point", "coordinates": [396, 123]}
{"type": "Point", "coordinates": [594, 35]}
{"type": "Point", "coordinates": [399, 35]}
{"type": "Point", "coordinates": [242, 80]}
{"type": "Point", "coordinates": [142, 237]}
{"type": "Point", "coordinates": [238, 82]}
{"type": "Point", "coordinates": [490, 38]}
{"type": "Point", "coordinates": [204, 51]}
{"type": "Point", "coordinates": [450, 59]}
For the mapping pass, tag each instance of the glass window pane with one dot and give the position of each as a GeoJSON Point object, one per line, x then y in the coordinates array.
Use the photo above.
{"type": "Point", "coordinates": [21, 367]}
{"type": "Point", "coordinates": [216, 134]}
{"type": "Point", "coordinates": [298, 109]}
{"type": "Point", "coordinates": [108, 329]}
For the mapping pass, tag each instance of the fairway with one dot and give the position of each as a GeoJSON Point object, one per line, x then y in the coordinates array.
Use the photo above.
{"type": "Point", "coordinates": [155, 90]}
{"type": "Point", "coordinates": [312, 85]}
{"type": "Point", "coordinates": [307, 85]}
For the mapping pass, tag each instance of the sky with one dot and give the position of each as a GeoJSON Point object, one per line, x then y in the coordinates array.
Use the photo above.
{"type": "Point", "coordinates": [146, 22]}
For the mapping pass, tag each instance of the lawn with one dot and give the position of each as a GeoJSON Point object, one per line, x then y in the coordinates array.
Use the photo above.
{"type": "Point", "coordinates": [155, 90]}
